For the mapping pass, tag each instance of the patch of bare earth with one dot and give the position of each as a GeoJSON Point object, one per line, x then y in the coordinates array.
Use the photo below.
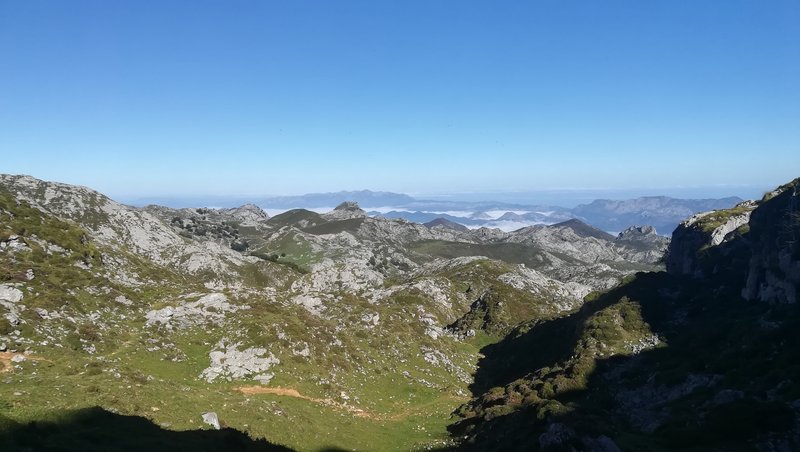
{"type": "Point", "coordinates": [6, 365]}
{"type": "Point", "coordinates": [289, 392]}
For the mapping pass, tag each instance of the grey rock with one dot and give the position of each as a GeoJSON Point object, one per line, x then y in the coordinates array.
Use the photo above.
{"type": "Point", "coordinates": [230, 363]}
{"type": "Point", "coordinates": [696, 234]}
{"type": "Point", "coordinates": [557, 436]}
{"type": "Point", "coordinates": [10, 298]}
{"type": "Point", "coordinates": [345, 211]}
{"type": "Point", "coordinates": [211, 419]}
{"type": "Point", "coordinates": [248, 214]}
{"type": "Point", "coordinates": [210, 308]}
{"type": "Point", "coordinates": [14, 244]}
{"type": "Point", "coordinates": [47, 315]}
{"type": "Point", "coordinates": [122, 299]}
{"type": "Point", "coordinates": [773, 274]}
{"type": "Point", "coordinates": [10, 294]}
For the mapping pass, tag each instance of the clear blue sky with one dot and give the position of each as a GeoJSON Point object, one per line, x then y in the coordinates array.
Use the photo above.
{"type": "Point", "coordinates": [278, 97]}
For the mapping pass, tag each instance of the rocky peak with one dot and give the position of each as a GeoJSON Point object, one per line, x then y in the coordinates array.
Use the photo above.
{"type": "Point", "coordinates": [444, 223]}
{"type": "Point", "coordinates": [248, 214]}
{"type": "Point", "coordinates": [582, 229]}
{"type": "Point", "coordinates": [636, 232]}
{"type": "Point", "coordinates": [348, 205]}
{"type": "Point", "coordinates": [346, 211]}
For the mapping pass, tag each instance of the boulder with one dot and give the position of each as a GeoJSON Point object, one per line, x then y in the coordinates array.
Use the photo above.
{"type": "Point", "coordinates": [211, 419]}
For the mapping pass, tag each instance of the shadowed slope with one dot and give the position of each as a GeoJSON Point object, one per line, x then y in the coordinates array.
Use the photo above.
{"type": "Point", "coordinates": [94, 429]}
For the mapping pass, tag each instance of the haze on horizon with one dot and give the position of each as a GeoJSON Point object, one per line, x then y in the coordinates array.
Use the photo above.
{"type": "Point", "coordinates": [425, 98]}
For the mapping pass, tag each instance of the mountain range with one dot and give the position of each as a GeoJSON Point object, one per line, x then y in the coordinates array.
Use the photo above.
{"type": "Point", "coordinates": [662, 212]}
{"type": "Point", "coordinates": [229, 328]}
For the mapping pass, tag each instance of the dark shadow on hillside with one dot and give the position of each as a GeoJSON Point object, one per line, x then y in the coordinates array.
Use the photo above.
{"type": "Point", "coordinates": [95, 429]}
{"type": "Point", "coordinates": [533, 346]}
{"type": "Point", "coordinates": [749, 352]}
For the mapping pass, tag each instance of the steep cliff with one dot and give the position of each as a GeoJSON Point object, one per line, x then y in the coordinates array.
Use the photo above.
{"type": "Point", "coordinates": [696, 236]}
{"type": "Point", "coordinates": [774, 271]}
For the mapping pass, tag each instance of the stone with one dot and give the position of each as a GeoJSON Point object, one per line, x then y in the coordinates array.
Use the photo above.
{"type": "Point", "coordinates": [701, 232]}
{"type": "Point", "coordinates": [228, 362]}
{"type": "Point", "coordinates": [345, 211]}
{"type": "Point", "coordinates": [10, 297]}
{"type": "Point", "coordinates": [209, 308]}
{"type": "Point", "coordinates": [10, 294]}
{"type": "Point", "coordinates": [250, 215]}
{"type": "Point", "coordinates": [122, 299]}
{"type": "Point", "coordinates": [14, 244]}
{"type": "Point", "coordinates": [211, 419]}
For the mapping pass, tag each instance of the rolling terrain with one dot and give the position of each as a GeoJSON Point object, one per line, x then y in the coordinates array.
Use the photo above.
{"type": "Point", "coordinates": [340, 330]}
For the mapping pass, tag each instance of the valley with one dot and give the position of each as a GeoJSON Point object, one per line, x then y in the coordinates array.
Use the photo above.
{"type": "Point", "coordinates": [344, 331]}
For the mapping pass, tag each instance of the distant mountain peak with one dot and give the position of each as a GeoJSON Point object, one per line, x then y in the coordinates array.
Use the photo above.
{"type": "Point", "coordinates": [446, 224]}
{"type": "Point", "coordinates": [345, 211]}
{"type": "Point", "coordinates": [637, 231]}
{"type": "Point", "coordinates": [348, 205]}
{"type": "Point", "coordinates": [583, 230]}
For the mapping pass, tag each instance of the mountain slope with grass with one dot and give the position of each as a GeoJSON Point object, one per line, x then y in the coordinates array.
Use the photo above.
{"type": "Point", "coordinates": [297, 329]}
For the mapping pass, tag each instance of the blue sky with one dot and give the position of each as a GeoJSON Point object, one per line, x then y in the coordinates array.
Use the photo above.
{"type": "Point", "coordinates": [280, 97]}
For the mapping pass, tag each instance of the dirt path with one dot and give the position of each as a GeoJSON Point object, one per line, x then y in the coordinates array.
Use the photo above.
{"type": "Point", "coordinates": [289, 392]}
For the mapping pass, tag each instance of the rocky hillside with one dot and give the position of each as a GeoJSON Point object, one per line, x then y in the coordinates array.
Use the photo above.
{"type": "Point", "coordinates": [299, 328]}
{"type": "Point", "coordinates": [704, 357]}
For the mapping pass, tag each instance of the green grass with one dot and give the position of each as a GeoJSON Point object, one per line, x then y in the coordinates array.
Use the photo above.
{"type": "Point", "coordinates": [335, 227]}
{"type": "Point", "coordinates": [719, 217]}
{"type": "Point", "coordinates": [404, 412]}
{"type": "Point", "coordinates": [512, 253]}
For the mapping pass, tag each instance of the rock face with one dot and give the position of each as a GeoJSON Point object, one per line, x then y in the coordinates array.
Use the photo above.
{"type": "Point", "coordinates": [122, 227]}
{"type": "Point", "coordinates": [774, 271]}
{"type": "Point", "coordinates": [10, 297]}
{"type": "Point", "coordinates": [345, 211]}
{"type": "Point", "coordinates": [13, 244]}
{"type": "Point", "coordinates": [446, 224]}
{"type": "Point", "coordinates": [702, 232]}
{"type": "Point", "coordinates": [231, 363]}
{"type": "Point", "coordinates": [211, 419]}
{"type": "Point", "coordinates": [638, 232]}
{"type": "Point", "coordinates": [210, 308]}
{"type": "Point", "coordinates": [249, 215]}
